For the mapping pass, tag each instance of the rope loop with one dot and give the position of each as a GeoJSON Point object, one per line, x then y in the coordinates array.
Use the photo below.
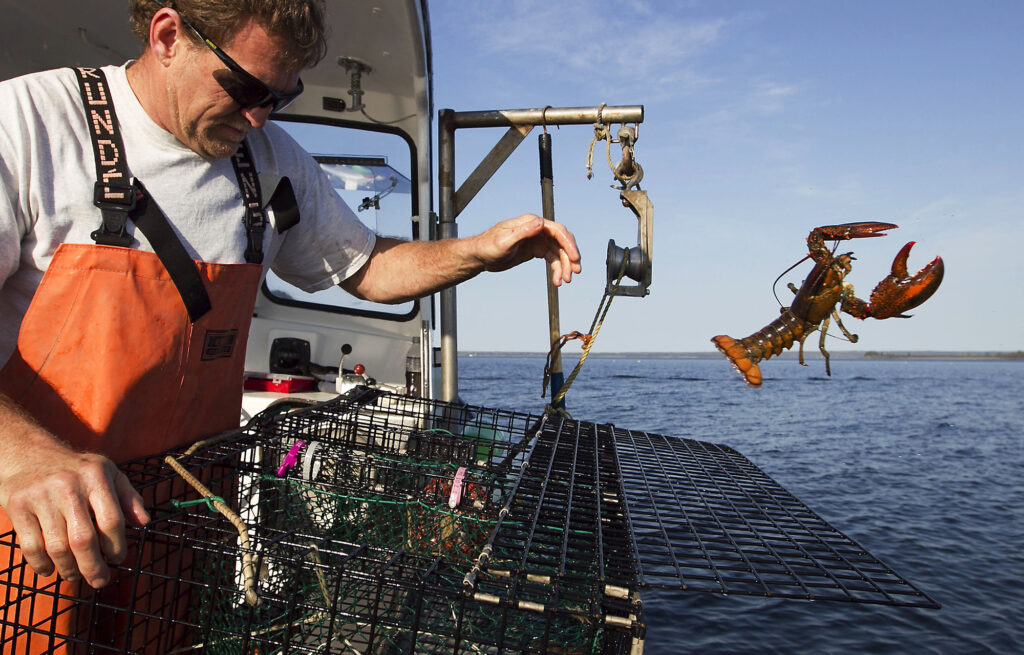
{"type": "Point", "coordinates": [588, 342]}
{"type": "Point", "coordinates": [557, 348]}
{"type": "Point", "coordinates": [551, 410]}
{"type": "Point", "coordinates": [628, 172]}
{"type": "Point", "coordinates": [601, 133]}
{"type": "Point", "coordinates": [246, 552]}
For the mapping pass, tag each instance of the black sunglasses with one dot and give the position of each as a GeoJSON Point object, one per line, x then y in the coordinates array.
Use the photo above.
{"type": "Point", "coordinates": [242, 86]}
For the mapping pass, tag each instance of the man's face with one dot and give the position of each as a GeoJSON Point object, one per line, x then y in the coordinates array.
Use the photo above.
{"type": "Point", "coordinates": [203, 116]}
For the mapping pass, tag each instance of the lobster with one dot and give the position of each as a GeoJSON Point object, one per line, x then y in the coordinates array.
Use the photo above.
{"type": "Point", "coordinates": [823, 290]}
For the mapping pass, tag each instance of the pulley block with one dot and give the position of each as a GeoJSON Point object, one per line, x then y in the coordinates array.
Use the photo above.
{"type": "Point", "coordinates": [639, 263]}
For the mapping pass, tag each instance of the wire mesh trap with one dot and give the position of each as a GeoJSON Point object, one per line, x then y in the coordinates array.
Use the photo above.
{"type": "Point", "coordinates": [382, 524]}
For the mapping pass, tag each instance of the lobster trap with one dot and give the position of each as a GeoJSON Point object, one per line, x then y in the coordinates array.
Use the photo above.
{"type": "Point", "coordinates": [384, 524]}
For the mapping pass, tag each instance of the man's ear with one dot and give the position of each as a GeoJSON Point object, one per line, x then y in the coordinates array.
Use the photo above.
{"type": "Point", "coordinates": [166, 36]}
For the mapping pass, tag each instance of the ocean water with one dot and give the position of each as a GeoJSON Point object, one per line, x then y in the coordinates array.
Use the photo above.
{"type": "Point", "coordinates": [920, 461]}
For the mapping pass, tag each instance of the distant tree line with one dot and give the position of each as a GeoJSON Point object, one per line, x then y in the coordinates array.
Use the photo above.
{"type": "Point", "coordinates": [874, 354]}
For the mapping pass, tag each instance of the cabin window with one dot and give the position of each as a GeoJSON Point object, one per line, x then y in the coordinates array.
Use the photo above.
{"type": "Point", "coordinates": [372, 172]}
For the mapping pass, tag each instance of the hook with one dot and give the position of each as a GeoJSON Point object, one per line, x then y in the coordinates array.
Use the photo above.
{"type": "Point", "coordinates": [544, 118]}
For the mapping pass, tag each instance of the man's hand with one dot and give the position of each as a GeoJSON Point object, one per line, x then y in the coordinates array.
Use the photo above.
{"type": "Point", "coordinates": [69, 509]}
{"type": "Point", "coordinates": [517, 240]}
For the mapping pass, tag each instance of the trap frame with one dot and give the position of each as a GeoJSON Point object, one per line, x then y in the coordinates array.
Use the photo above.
{"type": "Point", "coordinates": [378, 523]}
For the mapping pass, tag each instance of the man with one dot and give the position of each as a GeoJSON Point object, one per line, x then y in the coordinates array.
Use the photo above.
{"type": "Point", "coordinates": [81, 315]}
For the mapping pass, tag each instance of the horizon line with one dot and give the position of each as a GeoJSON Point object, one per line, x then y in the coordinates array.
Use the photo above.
{"type": "Point", "coordinates": [807, 353]}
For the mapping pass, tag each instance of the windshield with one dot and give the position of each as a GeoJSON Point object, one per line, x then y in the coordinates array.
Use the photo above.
{"type": "Point", "coordinates": [371, 172]}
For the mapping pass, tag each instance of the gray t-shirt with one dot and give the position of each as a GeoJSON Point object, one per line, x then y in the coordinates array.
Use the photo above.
{"type": "Point", "coordinates": [47, 173]}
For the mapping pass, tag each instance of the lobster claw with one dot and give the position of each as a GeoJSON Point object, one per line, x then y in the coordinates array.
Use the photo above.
{"type": "Point", "coordinates": [846, 231]}
{"type": "Point", "coordinates": [900, 291]}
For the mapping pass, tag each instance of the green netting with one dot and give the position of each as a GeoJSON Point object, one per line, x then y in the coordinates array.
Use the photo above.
{"type": "Point", "coordinates": [365, 555]}
{"type": "Point", "coordinates": [329, 603]}
{"type": "Point", "coordinates": [387, 503]}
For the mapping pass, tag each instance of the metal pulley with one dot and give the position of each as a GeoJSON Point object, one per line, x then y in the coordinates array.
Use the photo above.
{"type": "Point", "coordinates": [638, 264]}
{"type": "Point", "coordinates": [638, 259]}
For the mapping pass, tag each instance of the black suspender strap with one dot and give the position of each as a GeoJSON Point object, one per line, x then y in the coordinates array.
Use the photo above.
{"type": "Point", "coordinates": [255, 220]}
{"type": "Point", "coordinates": [120, 199]}
{"type": "Point", "coordinates": [282, 201]}
{"type": "Point", "coordinates": [113, 192]}
{"type": "Point", "coordinates": [167, 246]}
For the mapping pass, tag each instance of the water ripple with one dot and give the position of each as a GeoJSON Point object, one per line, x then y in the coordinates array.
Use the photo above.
{"type": "Point", "coordinates": [919, 461]}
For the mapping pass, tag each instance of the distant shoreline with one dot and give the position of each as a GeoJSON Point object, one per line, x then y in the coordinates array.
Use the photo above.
{"type": "Point", "coordinates": [808, 354]}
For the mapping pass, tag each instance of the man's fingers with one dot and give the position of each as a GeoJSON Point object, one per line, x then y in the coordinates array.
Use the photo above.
{"type": "Point", "coordinates": [565, 240]}
{"type": "Point", "coordinates": [69, 518]}
{"type": "Point", "coordinates": [54, 529]}
{"type": "Point", "coordinates": [131, 502]}
{"type": "Point", "coordinates": [567, 271]}
{"type": "Point", "coordinates": [568, 256]}
{"type": "Point", "coordinates": [84, 544]}
{"type": "Point", "coordinates": [33, 548]}
{"type": "Point", "coordinates": [106, 510]}
{"type": "Point", "coordinates": [562, 267]}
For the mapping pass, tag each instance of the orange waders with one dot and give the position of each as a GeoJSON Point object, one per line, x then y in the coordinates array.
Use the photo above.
{"type": "Point", "coordinates": [115, 358]}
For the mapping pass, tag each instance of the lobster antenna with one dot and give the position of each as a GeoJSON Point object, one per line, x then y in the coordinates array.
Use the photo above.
{"type": "Point", "coordinates": [776, 282]}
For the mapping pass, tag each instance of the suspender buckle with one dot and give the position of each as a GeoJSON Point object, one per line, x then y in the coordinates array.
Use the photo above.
{"type": "Point", "coordinates": [116, 197]}
{"type": "Point", "coordinates": [105, 238]}
{"type": "Point", "coordinates": [116, 202]}
{"type": "Point", "coordinates": [254, 244]}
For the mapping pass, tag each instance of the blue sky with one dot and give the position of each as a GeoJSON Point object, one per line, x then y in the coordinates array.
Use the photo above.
{"type": "Point", "coordinates": [763, 120]}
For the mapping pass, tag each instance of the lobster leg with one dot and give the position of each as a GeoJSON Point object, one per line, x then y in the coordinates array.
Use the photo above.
{"type": "Point", "coordinates": [846, 333]}
{"type": "Point", "coordinates": [800, 351]}
{"type": "Point", "coordinates": [853, 338]}
{"type": "Point", "coordinates": [821, 346]}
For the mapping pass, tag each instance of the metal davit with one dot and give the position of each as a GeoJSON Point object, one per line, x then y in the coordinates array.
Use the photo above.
{"type": "Point", "coordinates": [520, 122]}
{"type": "Point", "coordinates": [378, 523]}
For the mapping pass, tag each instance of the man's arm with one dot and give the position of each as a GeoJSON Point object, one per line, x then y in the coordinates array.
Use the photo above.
{"type": "Point", "coordinates": [398, 271]}
{"type": "Point", "coordinates": [68, 508]}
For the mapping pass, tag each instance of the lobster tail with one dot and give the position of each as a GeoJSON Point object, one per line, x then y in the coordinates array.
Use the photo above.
{"type": "Point", "coordinates": [771, 340]}
{"type": "Point", "coordinates": [740, 357]}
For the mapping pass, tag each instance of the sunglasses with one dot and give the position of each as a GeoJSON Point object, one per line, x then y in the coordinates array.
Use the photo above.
{"type": "Point", "coordinates": [242, 86]}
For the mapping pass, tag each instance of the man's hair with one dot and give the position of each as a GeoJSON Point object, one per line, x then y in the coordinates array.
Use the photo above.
{"type": "Point", "coordinates": [299, 23]}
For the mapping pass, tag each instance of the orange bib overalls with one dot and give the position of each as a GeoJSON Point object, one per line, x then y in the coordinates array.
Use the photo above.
{"type": "Point", "coordinates": [116, 356]}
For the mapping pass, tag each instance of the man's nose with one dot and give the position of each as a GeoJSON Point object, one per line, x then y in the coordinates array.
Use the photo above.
{"type": "Point", "coordinates": [257, 116]}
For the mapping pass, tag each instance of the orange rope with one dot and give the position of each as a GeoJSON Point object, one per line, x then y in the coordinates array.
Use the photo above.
{"type": "Point", "coordinates": [556, 348]}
